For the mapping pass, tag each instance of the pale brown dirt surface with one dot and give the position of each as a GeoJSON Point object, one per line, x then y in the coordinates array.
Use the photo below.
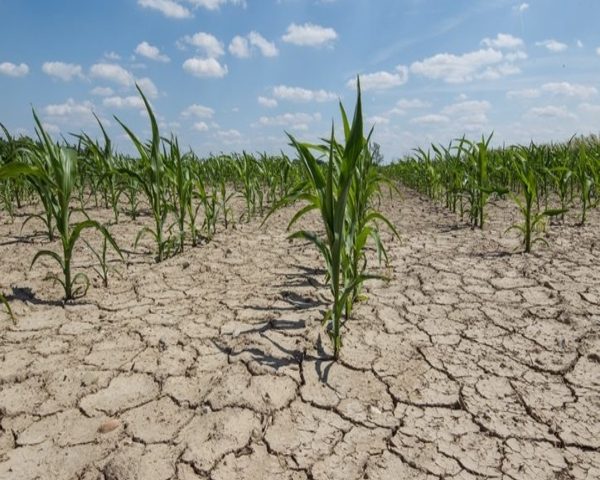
{"type": "Point", "coordinates": [472, 362]}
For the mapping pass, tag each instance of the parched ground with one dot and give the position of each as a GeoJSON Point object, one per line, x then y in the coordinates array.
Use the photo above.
{"type": "Point", "coordinates": [472, 362]}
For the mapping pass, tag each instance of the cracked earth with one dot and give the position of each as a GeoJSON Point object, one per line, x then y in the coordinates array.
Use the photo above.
{"type": "Point", "coordinates": [473, 362]}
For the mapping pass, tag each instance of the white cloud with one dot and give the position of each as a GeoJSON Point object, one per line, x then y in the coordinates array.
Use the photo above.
{"type": "Point", "coordinates": [200, 126]}
{"type": "Point", "coordinates": [309, 35]}
{"type": "Point", "coordinates": [503, 40]}
{"type": "Point", "coordinates": [13, 70]}
{"type": "Point", "coordinates": [481, 64]}
{"type": "Point", "coordinates": [430, 119]}
{"type": "Point", "coordinates": [406, 103]}
{"type": "Point", "coordinates": [298, 120]}
{"type": "Point", "coordinates": [381, 80]}
{"type": "Point", "coordinates": [552, 45]}
{"type": "Point", "coordinates": [150, 51]}
{"type": "Point", "coordinates": [205, 42]}
{"type": "Point", "coordinates": [64, 71]}
{"type": "Point", "coordinates": [103, 91]}
{"type": "Point", "coordinates": [232, 135]}
{"type": "Point", "coordinates": [199, 111]}
{"type": "Point", "coordinates": [570, 89]}
{"type": "Point", "coordinates": [267, 49]}
{"type": "Point", "coordinates": [113, 73]}
{"type": "Point", "coordinates": [70, 111]}
{"type": "Point", "coordinates": [132, 101]}
{"type": "Point", "coordinates": [297, 94]}
{"type": "Point", "coordinates": [524, 93]}
{"type": "Point", "coordinates": [550, 111]}
{"type": "Point", "coordinates": [598, 51]}
{"type": "Point", "coordinates": [216, 4]}
{"type": "Point", "coordinates": [378, 120]}
{"type": "Point", "coordinates": [205, 67]}
{"type": "Point", "coordinates": [239, 47]}
{"type": "Point", "coordinates": [267, 102]}
{"type": "Point", "coordinates": [469, 114]}
{"type": "Point", "coordinates": [169, 8]}
{"type": "Point", "coordinates": [579, 44]}
{"type": "Point", "coordinates": [556, 88]}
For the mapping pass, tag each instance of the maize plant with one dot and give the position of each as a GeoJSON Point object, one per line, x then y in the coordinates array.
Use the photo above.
{"type": "Point", "coordinates": [340, 194]}
{"type": "Point", "coordinates": [151, 177]}
{"type": "Point", "coordinates": [532, 217]}
{"type": "Point", "coordinates": [54, 174]}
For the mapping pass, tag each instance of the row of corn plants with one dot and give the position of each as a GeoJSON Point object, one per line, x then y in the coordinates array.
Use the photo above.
{"type": "Point", "coordinates": [543, 180]}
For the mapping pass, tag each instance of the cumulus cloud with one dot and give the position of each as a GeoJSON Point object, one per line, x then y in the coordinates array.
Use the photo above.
{"type": "Point", "coordinates": [266, 48]}
{"type": "Point", "coordinates": [239, 47]}
{"type": "Point", "coordinates": [150, 51]}
{"type": "Point", "coordinates": [14, 70]}
{"type": "Point", "coordinates": [298, 94]}
{"type": "Point", "coordinates": [63, 71]}
{"type": "Point", "coordinates": [524, 93]}
{"type": "Point", "coordinates": [103, 91]}
{"type": "Point", "coordinates": [486, 63]}
{"type": "Point", "coordinates": [112, 73]}
{"type": "Point", "coordinates": [204, 42]}
{"type": "Point", "coordinates": [430, 119]}
{"type": "Point", "coordinates": [566, 89]}
{"type": "Point", "coordinates": [132, 101]}
{"type": "Point", "coordinates": [70, 111]}
{"type": "Point", "coordinates": [503, 40]}
{"type": "Point", "coordinates": [205, 67]}
{"type": "Point", "coordinates": [168, 8]}
{"type": "Point", "coordinates": [550, 111]}
{"type": "Point", "coordinates": [200, 126]}
{"type": "Point", "coordinates": [552, 45]}
{"type": "Point", "coordinates": [309, 35]}
{"type": "Point", "coordinates": [199, 111]}
{"type": "Point", "coordinates": [570, 89]}
{"type": "Point", "coordinates": [381, 80]}
{"type": "Point", "coordinates": [242, 47]}
{"type": "Point", "coordinates": [216, 4]}
{"type": "Point", "coordinates": [298, 120]}
{"type": "Point", "coordinates": [267, 102]}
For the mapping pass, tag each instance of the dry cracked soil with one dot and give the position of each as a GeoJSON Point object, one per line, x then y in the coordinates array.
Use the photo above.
{"type": "Point", "coordinates": [472, 362]}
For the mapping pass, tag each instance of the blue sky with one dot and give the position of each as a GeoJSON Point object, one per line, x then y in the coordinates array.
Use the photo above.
{"type": "Point", "coordinates": [227, 75]}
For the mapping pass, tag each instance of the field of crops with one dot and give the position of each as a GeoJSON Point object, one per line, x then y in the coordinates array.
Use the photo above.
{"type": "Point", "coordinates": [318, 316]}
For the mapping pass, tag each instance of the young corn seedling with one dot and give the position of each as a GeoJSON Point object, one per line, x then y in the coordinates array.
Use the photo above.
{"type": "Point", "coordinates": [151, 177]}
{"type": "Point", "coordinates": [57, 180]}
{"type": "Point", "coordinates": [532, 217]}
{"type": "Point", "coordinates": [329, 192]}
{"type": "Point", "coordinates": [104, 267]}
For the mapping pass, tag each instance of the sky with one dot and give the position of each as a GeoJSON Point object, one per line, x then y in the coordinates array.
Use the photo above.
{"type": "Point", "coordinates": [233, 75]}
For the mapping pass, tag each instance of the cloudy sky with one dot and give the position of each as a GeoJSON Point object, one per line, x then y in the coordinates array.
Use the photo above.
{"type": "Point", "coordinates": [227, 75]}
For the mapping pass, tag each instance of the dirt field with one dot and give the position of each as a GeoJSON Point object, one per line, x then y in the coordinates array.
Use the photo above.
{"type": "Point", "coordinates": [472, 362]}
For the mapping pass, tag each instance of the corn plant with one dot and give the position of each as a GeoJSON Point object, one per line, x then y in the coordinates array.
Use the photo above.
{"type": "Point", "coordinates": [151, 177]}
{"type": "Point", "coordinates": [330, 192]}
{"type": "Point", "coordinates": [55, 174]}
{"type": "Point", "coordinates": [104, 267]}
{"type": "Point", "coordinates": [179, 177]}
{"type": "Point", "coordinates": [532, 218]}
